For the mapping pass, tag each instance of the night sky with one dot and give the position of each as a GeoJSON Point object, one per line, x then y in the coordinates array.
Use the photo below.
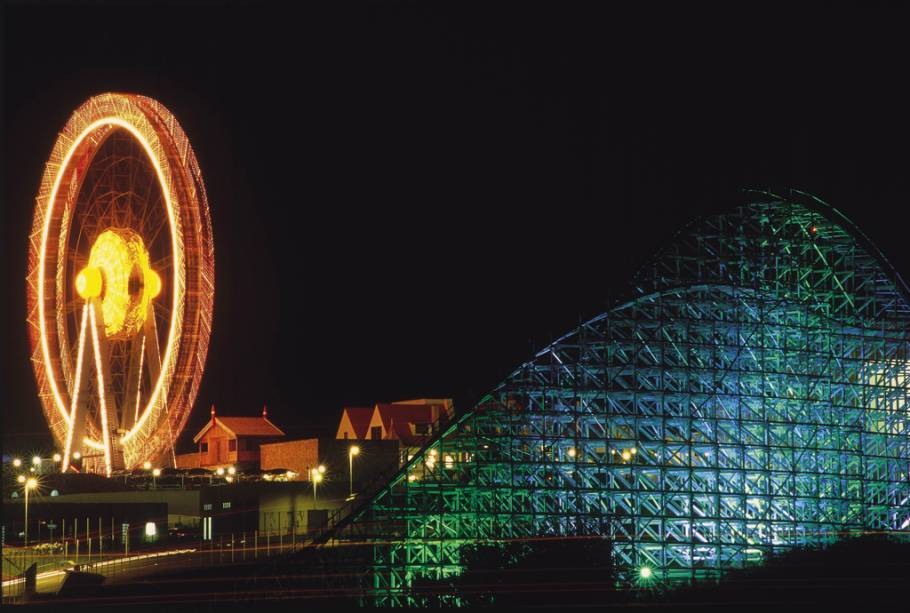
{"type": "Point", "coordinates": [410, 199]}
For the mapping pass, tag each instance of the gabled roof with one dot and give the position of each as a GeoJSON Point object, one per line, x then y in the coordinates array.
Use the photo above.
{"type": "Point", "coordinates": [242, 426]}
{"type": "Point", "coordinates": [404, 432]}
{"type": "Point", "coordinates": [404, 413]}
{"type": "Point", "coordinates": [359, 418]}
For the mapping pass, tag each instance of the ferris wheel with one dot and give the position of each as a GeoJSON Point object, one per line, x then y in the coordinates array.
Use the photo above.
{"type": "Point", "coordinates": [120, 284]}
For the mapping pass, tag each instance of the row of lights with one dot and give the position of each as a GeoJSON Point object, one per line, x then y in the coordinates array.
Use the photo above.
{"type": "Point", "coordinates": [36, 460]}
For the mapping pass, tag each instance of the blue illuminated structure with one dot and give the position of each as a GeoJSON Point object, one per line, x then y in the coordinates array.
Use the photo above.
{"type": "Point", "coordinates": [747, 396]}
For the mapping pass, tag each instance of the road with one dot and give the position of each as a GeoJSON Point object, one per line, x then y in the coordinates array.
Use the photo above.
{"type": "Point", "coordinates": [122, 569]}
{"type": "Point", "coordinates": [115, 569]}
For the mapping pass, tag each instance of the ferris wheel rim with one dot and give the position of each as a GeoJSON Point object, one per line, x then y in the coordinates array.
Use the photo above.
{"type": "Point", "coordinates": [176, 250]}
{"type": "Point", "coordinates": [184, 317]}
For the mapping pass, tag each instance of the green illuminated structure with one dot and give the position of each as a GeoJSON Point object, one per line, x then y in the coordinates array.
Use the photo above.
{"type": "Point", "coordinates": [748, 395]}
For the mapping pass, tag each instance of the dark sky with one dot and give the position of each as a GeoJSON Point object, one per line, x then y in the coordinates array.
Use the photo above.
{"type": "Point", "coordinates": [409, 199]}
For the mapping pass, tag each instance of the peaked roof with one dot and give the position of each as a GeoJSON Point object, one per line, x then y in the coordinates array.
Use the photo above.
{"type": "Point", "coordinates": [359, 418]}
{"type": "Point", "coordinates": [405, 413]}
{"type": "Point", "coordinates": [242, 426]}
{"type": "Point", "coordinates": [405, 433]}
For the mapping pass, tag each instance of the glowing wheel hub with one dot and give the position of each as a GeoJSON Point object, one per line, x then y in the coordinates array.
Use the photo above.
{"type": "Point", "coordinates": [119, 273]}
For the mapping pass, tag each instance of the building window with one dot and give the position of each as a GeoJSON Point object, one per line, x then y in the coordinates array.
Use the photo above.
{"type": "Point", "coordinates": [376, 433]}
{"type": "Point", "coordinates": [207, 506]}
{"type": "Point", "coordinates": [232, 445]}
{"type": "Point", "coordinates": [204, 448]}
{"type": "Point", "coordinates": [225, 505]}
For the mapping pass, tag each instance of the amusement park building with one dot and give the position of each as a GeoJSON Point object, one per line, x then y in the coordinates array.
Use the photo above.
{"type": "Point", "coordinates": [231, 441]}
{"type": "Point", "coordinates": [747, 395]}
{"type": "Point", "coordinates": [407, 421]}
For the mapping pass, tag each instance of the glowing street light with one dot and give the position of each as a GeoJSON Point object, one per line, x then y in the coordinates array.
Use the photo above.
{"type": "Point", "coordinates": [21, 478]}
{"type": "Point", "coordinates": [36, 461]}
{"type": "Point", "coordinates": [231, 470]}
{"type": "Point", "coordinates": [57, 457]}
{"type": "Point", "coordinates": [645, 572]}
{"type": "Point", "coordinates": [30, 484]}
{"type": "Point", "coordinates": [147, 465]}
{"type": "Point", "coordinates": [220, 471]}
{"type": "Point", "coordinates": [77, 455]}
{"type": "Point", "coordinates": [17, 462]}
{"type": "Point", "coordinates": [155, 474]}
{"type": "Point", "coordinates": [354, 450]}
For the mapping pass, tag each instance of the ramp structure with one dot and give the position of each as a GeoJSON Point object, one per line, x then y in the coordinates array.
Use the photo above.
{"type": "Point", "coordinates": [748, 395]}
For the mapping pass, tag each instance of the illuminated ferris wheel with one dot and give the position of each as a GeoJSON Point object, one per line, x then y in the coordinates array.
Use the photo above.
{"type": "Point", "coordinates": [121, 278]}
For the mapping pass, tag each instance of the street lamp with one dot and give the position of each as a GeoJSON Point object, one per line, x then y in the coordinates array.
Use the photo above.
{"type": "Point", "coordinates": [36, 463]}
{"type": "Point", "coordinates": [17, 462]}
{"type": "Point", "coordinates": [155, 474]}
{"type": "Point", "coordinates": [354, 450]}
{"type": "Point", "coordinates": [30, 484]}
{"type": "Point", "coordinates": [316, 476]}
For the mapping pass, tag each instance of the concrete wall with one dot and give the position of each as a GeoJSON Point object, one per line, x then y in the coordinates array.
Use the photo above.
{"type": "Point", "coordinates": [272, 508]}
{"type": "Point", "coordinates": [375, 458]}
{"type": "Point", "coordinates": [299, 456]}
{"type": "Point", "coordinates": [188, 460]}
{"type": "Point", "coordinates": [104, 518]}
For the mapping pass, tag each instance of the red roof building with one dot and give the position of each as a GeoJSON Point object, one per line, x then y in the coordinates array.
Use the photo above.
{"type": "Point", "coordinates": [407, 421]}
{"type": "Point", "coordinates": [233, 441]}
{"type": "Point", "coordinates": [355, 421]}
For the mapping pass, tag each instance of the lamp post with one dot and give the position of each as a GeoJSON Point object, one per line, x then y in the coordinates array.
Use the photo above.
{"type": "Point", "coordinates": [30, 484]}
{"type": "Point", "coordinates": [155, 474]}
{"type": "Point", "coordinates": [316, 477]}
{"type": "Point", "coordinates": [354, 450]}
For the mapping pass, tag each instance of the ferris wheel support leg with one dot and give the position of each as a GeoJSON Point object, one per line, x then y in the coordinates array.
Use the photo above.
{"type": "Point", "coordinates": [113, 453]}
{"type": "Point", "coordinates": [133, 383]}
{"type": "Point", "coordinates": [153, 356]}
{"type": "Point", "coordinates": [76, 429]}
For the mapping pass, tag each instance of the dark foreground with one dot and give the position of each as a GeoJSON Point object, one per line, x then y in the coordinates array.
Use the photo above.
{"type": "Point", "coordinates": [855, 574]}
